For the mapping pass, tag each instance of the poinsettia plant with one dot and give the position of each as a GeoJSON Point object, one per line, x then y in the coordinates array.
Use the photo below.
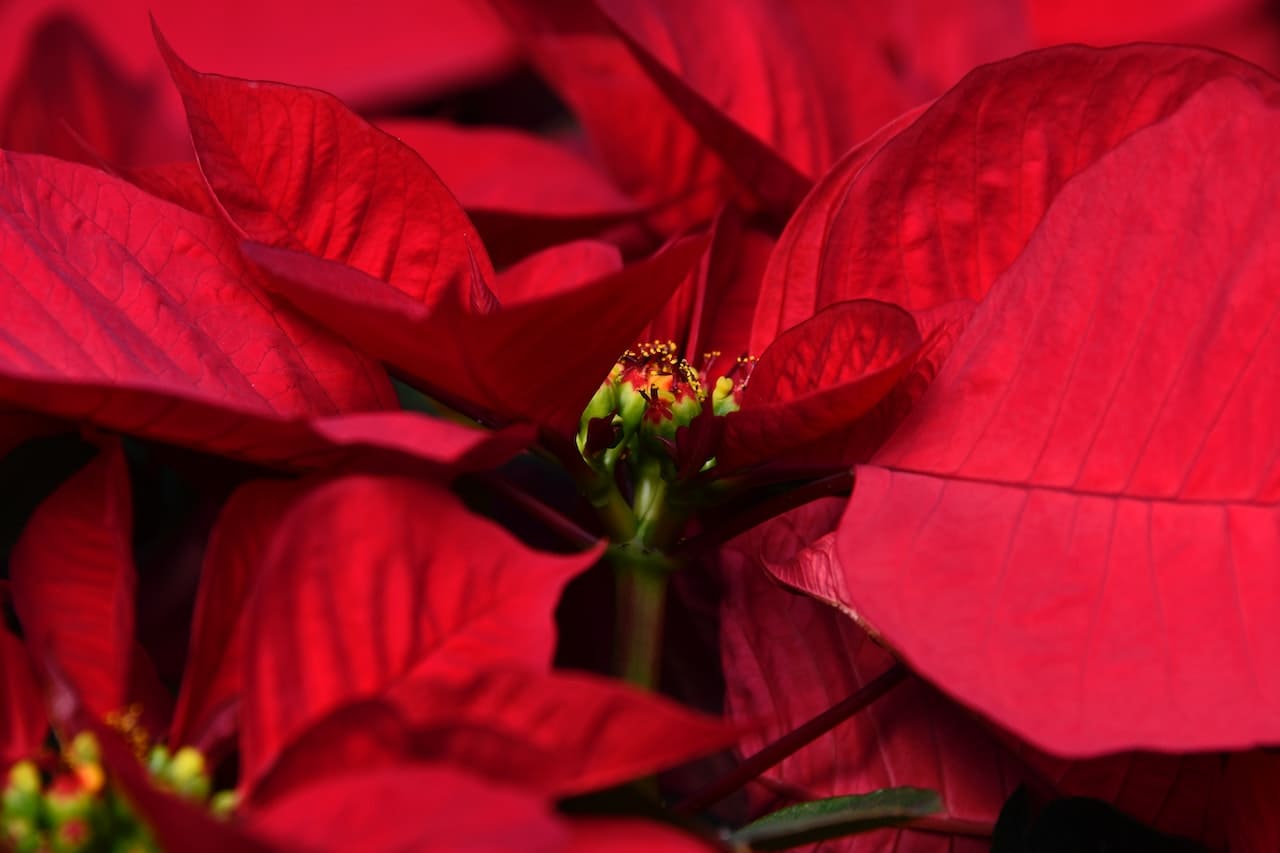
{"type": "Point", "coordinates": [789, 431]}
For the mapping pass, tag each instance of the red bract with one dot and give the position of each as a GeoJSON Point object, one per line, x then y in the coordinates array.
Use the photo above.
{"type": "Point", "coordinates": [73, 582]}
{"type": "Point", "coordinates": [787, 658]}
{"type": "Point", "coordinates": [1083, 499]}
{"type": "Point", "coordinates": [161, 329]}
{"type": "Point", "coordinates": [370, 581]}
{"type": "Point", "coordinates": [22, 720]}
{"type": "Point", "coordinates": [70, 100]}
{"type": "Point", "coordinates": [375, 56]}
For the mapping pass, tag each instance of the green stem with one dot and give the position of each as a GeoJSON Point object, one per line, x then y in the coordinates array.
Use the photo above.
{"type": "Point", "coordinates": [642, 594]}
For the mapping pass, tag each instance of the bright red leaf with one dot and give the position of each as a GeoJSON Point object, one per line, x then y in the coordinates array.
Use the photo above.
{"type": "Point", "coordinates": [788, 658]}
{"type": "Point", "coordinates": [526, 361]}
{"type": "Point", "coordinates": [295, 169]}
{"type": "Point", "coordinates": [820, 376]}
{"type": "Point", "coordinates": [71, 101]}
{"type": "Point", "coordinates": [161, 329]}
{"type": "Point", "coordinates": [374, 55]}
{"type": "Point", "coordinates": [556, 734]}
{"type": "Point", "coordinates": [1079, 514]}
{"type": "Point", "coordinates": [938, 211]}
{"type": "Point", "coordinates": [368, 580]}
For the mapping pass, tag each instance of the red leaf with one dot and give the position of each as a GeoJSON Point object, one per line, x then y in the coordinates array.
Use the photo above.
{"type": "Point", "coordinates": [69, 100]}
{"type": "Point", "coordinates": [938, 211]}
{"type": "Point", "coordinates": [211, 682]}
{"type": "Point", "coordinates": [712, 309]}
{"type": "Point", "coordinates": [73, 581]}
{"type": "Point", "coordinates": [161, 330]}
{"type": "Point", "coordinates": [788, 658]}
{"type": "Point", "coordinates": [654, 154]}
{"type": "Point", "coordinates": [369, 579]}
{"type": "Point", "coordinates": [1252, 823]}
{"type": "Point", "coordinates": [295, 169]}
{"type": "Point", "coordinates": [556, 734]}
{"type": "Point", "coordinates": [512, 362]}
{"type": "Point", "coordinates": [23, 723]}
{"type": "Point", "coordinates": [375, 55]}
{"type": "Point", "coordinates": [410, 807]}
{"type": "Point", "coordinates": [560, 268]}
{"type": "Point", "coordinates": [627, 835]}
{"type": "Point", "coordinates": [503, 170]}
{"type": "Point", "coordinates": [1084, 501]}
{"type": "Point", "coordinates": [820, 376]}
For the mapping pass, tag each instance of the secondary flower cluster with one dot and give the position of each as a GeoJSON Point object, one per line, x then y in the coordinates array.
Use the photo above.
{"type": "Point", "coordinates": [860, 421]}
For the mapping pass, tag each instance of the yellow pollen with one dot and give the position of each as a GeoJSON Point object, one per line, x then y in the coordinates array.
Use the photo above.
{"type": "Point", "coordinates": [128, 722]}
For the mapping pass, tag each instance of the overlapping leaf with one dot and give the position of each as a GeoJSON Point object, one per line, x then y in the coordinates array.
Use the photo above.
{"type": "Point", "coordinates": [529, 360]}
{"type": "Point", "coordinates": [943, 207]}
{"type": "Point", "coordinates": [789, 657]}
{"type": "Point", "coordinates": [295, 169]}
{"type": "Point", "coordinates": [141, 316]}
{"type": "Point", "coordinates": [556, 734]}
{"type": "Point", "coordinates": [1084, 502]}
{"type": "Point", "coordinates": [370, 579]}
{"type": "Point", "coordinates": [820, 376]}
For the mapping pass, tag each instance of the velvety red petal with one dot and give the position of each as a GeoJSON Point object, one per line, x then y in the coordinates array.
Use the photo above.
{"type": "Point", "coordinates": [73, 581]}
{"type": "Point", "coordinates": [294, 168]}
{"type": "Point", "coordinates": [529, 360]}
{"type": "Point", "coordinates": [370, 578]}
{"type": "Point", "coordinates": [1085, 499]}
{"type": "Point", "coordinates": [820, 376]}
{"type": "Point", "coordinates": [938, 211]}
{"type": "Point", "coordinates": [23, 723]}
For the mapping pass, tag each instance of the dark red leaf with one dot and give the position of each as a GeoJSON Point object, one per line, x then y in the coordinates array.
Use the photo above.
{"type": "Point", "coordinates": [23, 722]}
{"type": "Point", "coordinates": [215, 658]}
{"type": "Point", "coordinates": [410, 807]}
{"type": "Point", "coordinates": [551, 733]}
{"type": "Point", "coordinates": [530, 360]}
{"type": "Point", "coordinates": [820, 376]}
{"type": "Point", "coordinates": [370, 579]}
{"type": "Point", "coordinates": [295, 169]}
{"type": "Point", "coordinates": [1084, 500]}
{"type": "Point", "coordinates": [73, 581]}
{"type": "Point", "coordinates": [1253, 826]}
{"type": "Point", "coordinates": [938, 211]}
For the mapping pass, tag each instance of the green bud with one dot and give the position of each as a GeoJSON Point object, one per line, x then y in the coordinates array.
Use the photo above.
{"type": "Point", "coordinates": [158, 760]}
{"type": "Point", "coordinates": [84, 750]}
{"type": "Point", "coordinates": [21, 799]}
{"type": "Point", "coordinates": [723, 398]}
{"type": "Point", "coordinates": [22, 834]}
{"type": "Point", "coordinates": [224, 804]}
{"type": "Point", "coordinates": [186, 774]}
